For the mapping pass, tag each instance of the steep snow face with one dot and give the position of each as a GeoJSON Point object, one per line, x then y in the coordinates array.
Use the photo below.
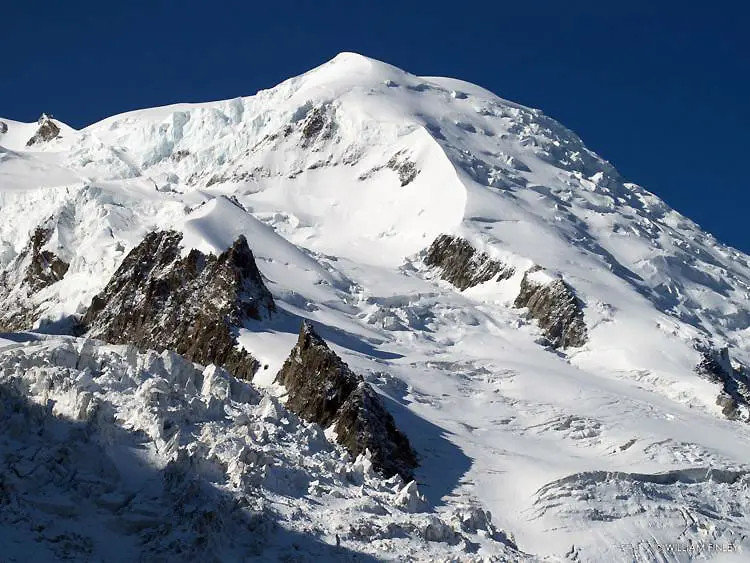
{"type": "Point", "coordinates": [340, 180]}
{"type": "Point", "coordinates": [340, 157]}
{"type": "Point", "coordinates": [373, 163]}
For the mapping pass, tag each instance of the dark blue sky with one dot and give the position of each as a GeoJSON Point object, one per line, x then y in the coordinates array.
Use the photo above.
{"type": "Point", "coordinates": [660, 91]}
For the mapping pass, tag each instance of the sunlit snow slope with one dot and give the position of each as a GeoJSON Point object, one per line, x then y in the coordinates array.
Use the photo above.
{"type": "Point", "coordinates": [340, 179]}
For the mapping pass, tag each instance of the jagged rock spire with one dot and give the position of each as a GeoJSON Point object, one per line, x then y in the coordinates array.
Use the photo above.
{"type": "Point", "coordinates": [47, 131]}
{"type": "Point", "coordinates": [191, 305]}
{"type": "Point", "coordinates": [323, 389]}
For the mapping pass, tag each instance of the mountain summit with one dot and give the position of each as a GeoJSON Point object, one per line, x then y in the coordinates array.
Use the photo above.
{"type": "Point", "coordinates": [563, 353]}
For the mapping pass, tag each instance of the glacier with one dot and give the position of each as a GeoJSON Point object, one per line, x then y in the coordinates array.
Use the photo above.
{"type": "Point", "coordinates": [610, 447]}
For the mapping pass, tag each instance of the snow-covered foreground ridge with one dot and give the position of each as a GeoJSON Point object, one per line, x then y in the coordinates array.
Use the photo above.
{"type": "Point", "coordinates": [550, 338]}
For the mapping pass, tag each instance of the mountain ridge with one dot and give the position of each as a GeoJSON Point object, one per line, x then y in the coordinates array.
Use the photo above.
{"type": "Point", "coordinates": [341, 180]}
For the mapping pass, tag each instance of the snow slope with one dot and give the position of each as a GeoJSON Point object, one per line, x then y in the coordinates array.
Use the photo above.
{"type": "Point", "coordinates": [340, 179]}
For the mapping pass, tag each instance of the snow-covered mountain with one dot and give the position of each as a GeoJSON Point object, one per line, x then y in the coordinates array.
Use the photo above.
{"type": "Point", "coordinates": [563, 352]}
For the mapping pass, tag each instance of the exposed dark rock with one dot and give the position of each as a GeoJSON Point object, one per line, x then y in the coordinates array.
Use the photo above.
{"type": "Point", "coordinates": [364, 423]}
{"type": "Point", "coordinates": [313, 124]}
{"type": "Point", "coordinates": [177, 156]}
{"type": "Point", "coordinates": [192, 305]}
{"type": "Point", "coordinates": [468, 127]}
{"type": "Point", "coordinates": [44, 268]}
{"type": "Point", "coordinates": [418, 87]}
{"type": "Point", "coordinates": [239, 175]}
{"type": "Point", "coordinates": [716, 365]}
{"type": "Point", "coordinates": [31, 271]}
{"type": "Point", "coordinates": [323, 389]}
{"type": "Point", "coordinates": [406, 169]}
{"type": "Point", "coordinates": [401, 164]}
{"type": "Point", "coordinates": [463, 265]}
{"type": "Point", "coordinates": [3, 127]}
{"type": "Point", "coordinates": [318, 124]}
{"type": "Point", "coordinates": [553, 304]}
{"type": "Point", "coordinates": [17, 313]}
{"type": "Point", "coordinates": [516, 164]}
{"type": "Point", "coordinates": [47, 131]}
{"type": "Point", "coordinates": [234, 201]}
{"type": "Point", "coordinates": [557, 309]}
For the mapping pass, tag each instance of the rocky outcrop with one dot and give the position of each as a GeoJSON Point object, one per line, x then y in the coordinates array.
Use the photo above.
{"type": "Point", "coordinates": [405, 168]}
{"type": "Point", "coordinates": [734, 398]}
{"type": "Point", "coordinates": [34, 269]}
{"type": "Point", "coordinates": [192, 305]}
{"type": "Point", "coordinates": [318, 124]}
{"type": "Point", "coordinates": [47, 131]}
{"type": "Point", "coordinates": [554, 304]}
{"type": "Point", "coordinates": [323, 389]}
{"type": "Point", "coordinates": [549, 300]}
{"type": "Point", "coordinates": [3, 127]}
{"type": "Point", "coordinates": [44, 268]}
{"type": "Point", "coordinates": [463, 265]}
{"type": "Point", "coordinates": [401, 163]}
{"type": "Point", "coordinates": [364, 424]}
{"type": "Point", "coordinates": [179, 155]}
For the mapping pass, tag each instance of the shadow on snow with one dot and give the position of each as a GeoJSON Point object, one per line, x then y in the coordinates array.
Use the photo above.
{"type": "Point", "coordinates": [80, 490]}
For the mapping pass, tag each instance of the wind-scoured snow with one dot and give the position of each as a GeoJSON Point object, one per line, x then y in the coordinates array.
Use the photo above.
{"type": "Point", "coordinates": [341, 179]}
